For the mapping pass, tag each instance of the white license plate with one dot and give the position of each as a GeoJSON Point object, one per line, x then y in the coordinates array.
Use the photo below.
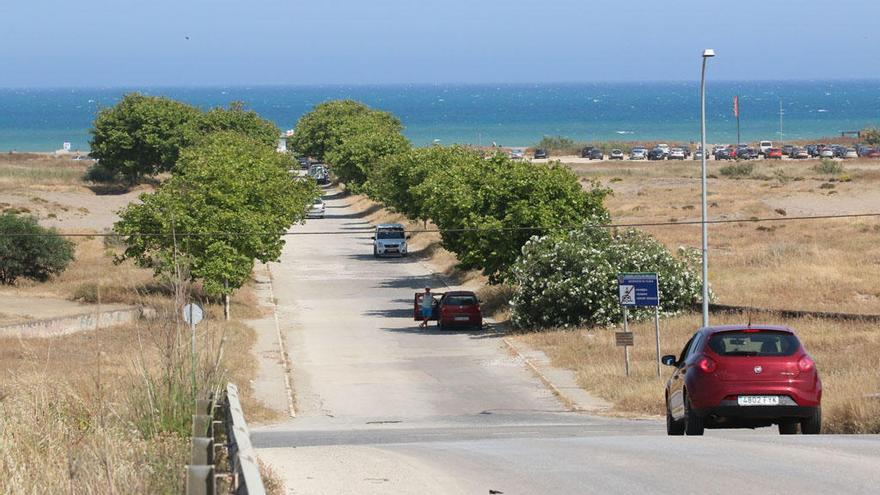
{"type": "Point", "coordinates": [462, 318]}
{"type": "Point", "coordinates": [758, 400]}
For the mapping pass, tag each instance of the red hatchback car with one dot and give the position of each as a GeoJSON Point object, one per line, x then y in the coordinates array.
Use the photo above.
{"type": "Point", "coordinates": [452, 309]}
{"type": "Point", "coordinates": [743, 377]}
{"type": "Point", "coordinates": [774, 153]}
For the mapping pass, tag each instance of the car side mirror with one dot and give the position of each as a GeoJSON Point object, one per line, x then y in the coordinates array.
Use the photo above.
{"type": "Point", "coordinates": [373, 237]}
{"type": "Point", "coordinates": [668, 360]}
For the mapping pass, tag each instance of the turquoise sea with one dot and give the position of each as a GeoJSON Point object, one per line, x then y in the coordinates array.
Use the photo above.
{"type": "Point", "coordinates": [509, 115]}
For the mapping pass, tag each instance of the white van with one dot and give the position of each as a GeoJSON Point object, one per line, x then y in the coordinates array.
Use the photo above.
{"type": "Point", "coordinates": [764, 146]}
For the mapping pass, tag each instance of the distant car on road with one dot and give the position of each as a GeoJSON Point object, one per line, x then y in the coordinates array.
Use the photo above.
{"type": "Point", "coordinates": [765, 146]}
{"type": "Point", "coordinates": [585, 153]}
{"type": "Point", "coordinates": [541, 154]}
{"type": "Point", "coordinates": [616, 154]}
{"type": "Point", "coordinates": [517, 154]}
{"type": "Point", "coordinates": [773, 154]}
{"type": "Point", "coordinates": [596, 154]}
{"type": "Point", "coordinates": [698, 154]}
{"type": "Point", "coordinates": [664, 147]}
{"type": "Point", "coordinates": [850, 153]}
{"type": "Point", "coordinates": [455, 309]}
{"type": "Point", "coordinates": [316, 210]}
{"type": "Point", "coordinates": [724, 154]}
{"type": "Point", "coordinates": [656, 154]}
{"type": "Point", "coordinates": [826, 153]}
{"type": "Point", "coordinates": [786, 150]}
{"type": "Point", "coordinates": [743, 376]}
{"type": "Point", "coordinates": [319, 173]}
{"type": "Point", "coordinates": [390, 238]}
{"type": "Point", "coordinates": [873, 153]}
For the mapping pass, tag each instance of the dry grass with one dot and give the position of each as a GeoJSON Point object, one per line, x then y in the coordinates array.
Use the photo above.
{"type": "Point", "coordinates": [30, 169]}
{"type": "Point", "coordinates": [827, 265]}
{"type": "Point", "coordinates": [846, 355]}
{"type": "Point", "coordinates": [74, 410]}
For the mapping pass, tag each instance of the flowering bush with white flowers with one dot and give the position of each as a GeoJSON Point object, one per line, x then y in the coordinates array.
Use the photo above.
{"type": "Point", "coordinates": [570, 279]}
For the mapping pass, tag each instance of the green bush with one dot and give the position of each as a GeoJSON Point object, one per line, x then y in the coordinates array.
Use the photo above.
{"type": "Point", "coordinates": [28, 250]}
{"type": "Point", "coordinates": [570, 279]}
{"type": "Point", "coordinates": [738, 170]}
{"type": "Point", "coordinates": [100, 174]}
{"type": "Point", "coordinates": [871, 136]}
{"type": "Point", "coordinates": [828, 167]}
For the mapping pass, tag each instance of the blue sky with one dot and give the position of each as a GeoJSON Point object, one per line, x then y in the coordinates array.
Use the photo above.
{"type": "Point", "coordinates": [277, 42]}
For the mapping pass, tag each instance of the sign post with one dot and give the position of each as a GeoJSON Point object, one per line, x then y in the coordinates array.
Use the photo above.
{"type": "Point", "coordinates": [639, 290]}
{"type": "Point", "coordinates": [193, 314]}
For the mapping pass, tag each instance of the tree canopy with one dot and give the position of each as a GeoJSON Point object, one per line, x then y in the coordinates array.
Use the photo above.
{"type": "Point", "coordinates": [228, 203]}
{"type": "Point", "coordinates": [28, 250]}
{"type": "Point", "coordinates": [144, 135]}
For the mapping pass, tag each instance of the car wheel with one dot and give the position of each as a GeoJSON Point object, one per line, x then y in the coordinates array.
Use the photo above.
{"type": "Point", "coordinates": [788, 428]}
{"type": "Point", "coordinates": [673, 427]}
{"type": "Point", "coordinates": [440, 325]}
{"type": "Point", "coordinates": [693, 424]}
{"type": "Point", "coordinates": [375, 252]}
{"type": "Point", "coordinates": [813, 424]}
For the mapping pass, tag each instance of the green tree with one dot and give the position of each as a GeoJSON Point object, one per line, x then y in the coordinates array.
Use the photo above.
{"type": "Point", "coordinates": [229, 202]}
{"type": "Point", "coordinates": [141, 135]}
{"type": "Point", "coordinates": [871, 136]}
{"type": "Point", "coordinates": [28, 250]}
{"type": "Point", "coordinates": [363, 142]}
{"type": "Point", "coordinates": [318, 131]}
{"type": "Point", "coordinates": [489, 208]}
{"type": "Point", "coordinates": [237, 119]}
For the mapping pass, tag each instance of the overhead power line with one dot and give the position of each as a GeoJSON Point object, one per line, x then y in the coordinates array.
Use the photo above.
{"type": "Point", "coordinates": [469, 229]}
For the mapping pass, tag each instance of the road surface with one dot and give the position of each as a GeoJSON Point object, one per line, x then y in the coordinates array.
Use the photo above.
{"type": "Point", "coordinates": [383, 407]}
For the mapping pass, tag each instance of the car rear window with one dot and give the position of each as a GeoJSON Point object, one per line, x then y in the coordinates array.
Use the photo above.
{"type": "Point", "coordinates": [754, 343]}
{"type": "Point", "coordinates": [461, 300]}
{"type": "Point", "coordinates": [390, 234]}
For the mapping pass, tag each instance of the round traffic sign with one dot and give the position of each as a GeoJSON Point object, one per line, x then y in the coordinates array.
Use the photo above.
{"type": "Point", "coordinates": [193, 314]}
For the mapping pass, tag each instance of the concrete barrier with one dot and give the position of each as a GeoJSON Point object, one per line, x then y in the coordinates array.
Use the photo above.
{"type": "Point", "coordinates": [65, 325]}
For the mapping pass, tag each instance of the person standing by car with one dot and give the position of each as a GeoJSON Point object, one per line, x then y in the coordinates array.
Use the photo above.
{"type": "Point", "coordinates": [427, 306]}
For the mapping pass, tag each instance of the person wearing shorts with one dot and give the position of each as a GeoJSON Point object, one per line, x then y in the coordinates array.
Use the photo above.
{"type": "Point", "coordinates": [427, 307]}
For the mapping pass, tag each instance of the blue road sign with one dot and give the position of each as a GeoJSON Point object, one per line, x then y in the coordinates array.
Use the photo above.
{"type": "Point", "coordinates": [638, 289]}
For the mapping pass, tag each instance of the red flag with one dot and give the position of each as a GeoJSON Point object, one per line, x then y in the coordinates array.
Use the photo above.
{"type": "Point", "coordinates": [736, 106]}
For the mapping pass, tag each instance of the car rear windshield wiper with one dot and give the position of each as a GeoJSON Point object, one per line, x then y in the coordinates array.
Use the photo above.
{"type": "Point", "coordinates": [742, 353]}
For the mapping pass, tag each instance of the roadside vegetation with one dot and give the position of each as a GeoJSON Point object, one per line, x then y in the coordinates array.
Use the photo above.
{"type": "Point", "coordinates": [30, 251]}
{"type": "Point", "coordinates": [109, 411]}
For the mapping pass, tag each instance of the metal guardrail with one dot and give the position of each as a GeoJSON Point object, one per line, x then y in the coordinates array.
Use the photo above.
{"type": "Point", "coordinates": [223, 459]}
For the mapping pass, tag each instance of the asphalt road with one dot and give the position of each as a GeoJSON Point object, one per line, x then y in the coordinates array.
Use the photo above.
{"type": "Point", "coordinates": [383, 407]}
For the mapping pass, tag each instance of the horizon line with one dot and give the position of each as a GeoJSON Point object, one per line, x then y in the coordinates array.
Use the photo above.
{"type": "Point", "coordinates": [427, 84]}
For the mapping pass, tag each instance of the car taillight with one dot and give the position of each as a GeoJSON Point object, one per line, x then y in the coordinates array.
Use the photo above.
{"type": "Point", "coordinates": [707, 364]}
{"type": "Point", "coordinates": [805, 363]}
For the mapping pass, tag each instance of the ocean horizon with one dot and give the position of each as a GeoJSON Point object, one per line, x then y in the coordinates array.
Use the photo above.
{"type": "Point", "coordinates": [41, 119]}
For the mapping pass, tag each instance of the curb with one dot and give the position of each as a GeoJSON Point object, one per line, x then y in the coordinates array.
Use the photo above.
{"type": "Point", "coordinates": [282, 348]}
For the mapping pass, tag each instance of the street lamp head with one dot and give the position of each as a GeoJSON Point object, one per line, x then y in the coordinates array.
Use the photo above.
{"type": "Point", "coordinates": [708, 52]}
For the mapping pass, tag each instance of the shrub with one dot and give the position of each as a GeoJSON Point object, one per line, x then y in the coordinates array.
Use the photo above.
{"type": "Point", "coordinates": [570, 279]}
{"type": "Point", "coordinates": [828, 167]}
{"type": "Point", "coordinates": [100, 174]}
{"type": "Point", "coordinates": [36, 252]}
{"type": "Point", "coordinates": [871, 136]}
{"type": "Point", "coordinates": [738, 170]}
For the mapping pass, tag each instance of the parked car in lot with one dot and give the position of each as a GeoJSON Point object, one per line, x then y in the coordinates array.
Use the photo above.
{"type": "Point", "coordinates": [320, 173]}
{"type": "Point", "coordinates": [873, 153]}
{"type": "Point", "coordinates": [541, 154]}
{"type": "Point", "coordinates": [665, 148]}
{"type": "Point", "coordinates": [724, 154]}
{"type": "Point", "coordinates": [773, 154]}
{"type": "Point", "coordinates": [656, 154]}
{"type": "Point", "coordinates": [850, 153]}
{"type": "Point", "coordinates": [764, 147]}
{"type": "Point", "coordinates": [826, 153]}
{"type": "Point", "coordinates": [698, 154]}
{"type": "Point", "coordinates": [638, 154]}
{"type": "Point", "coordinates": [743, 376]}
{"type": "Point", "coordinates": [585, 153]}
{"type": "Point", "coordinates": [676, 154]}
{"type": "Point", "coordinates": [616, 154]}
{"type": "Point", "coordinates": [786, 150]}
{"type": "Point", "coordinates": [596, 154]}
{"type": "Point", "coordinates": [517, 154]}
{"type": "Point", "coordinates": [455, 309]}
{"type": "Point", "coordinates": [390, 238]}
{"type": "Point", "coordinates": [799, 154]}
{"type": "Point", "coordinates": [316, 210]}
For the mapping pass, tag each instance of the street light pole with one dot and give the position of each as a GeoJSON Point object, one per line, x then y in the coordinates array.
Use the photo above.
{"type": "Point", "coordinates": [707, 54]}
